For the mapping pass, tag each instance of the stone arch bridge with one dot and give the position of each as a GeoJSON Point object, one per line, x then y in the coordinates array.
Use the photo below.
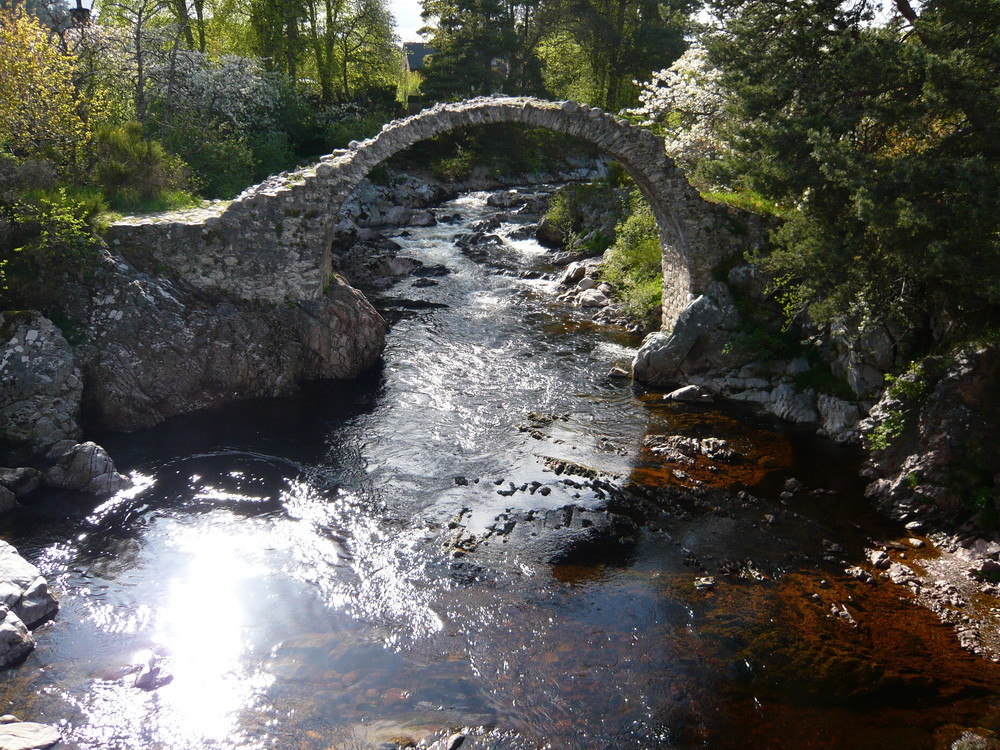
{"type": "Point", "coordinates": [273, 242]}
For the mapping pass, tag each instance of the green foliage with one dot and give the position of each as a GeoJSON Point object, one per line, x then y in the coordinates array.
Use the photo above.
{"type": "Point", "coordinates": [49, 233]}
{"type": "Point", "coordinates": [40, 111]}
{"type": "Point", "coordinates": [479, 50]}
{"type": "Point", "coordinates": [886, 432]}
{"type": "Point", "coordinates": [220, 161]}
{"type": "Point", "coordinates": [912, 386]}
{"type": "Point", "coordinates": [590, 50]}
{"type": "Point", "coordinates": [632, 266]}
{"type": "Point", "coordinates": [455, 167]}
{"type": "Point", "coordinates": [746, 200]}
{"type": "Point", "coordinates": [878, 143]}
{"type": "Point", "coordinates": [135, 172]}
{"type": "Point", "coordinates": [579, 210]}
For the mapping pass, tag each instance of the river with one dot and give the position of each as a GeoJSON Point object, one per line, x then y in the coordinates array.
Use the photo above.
{"type": "Point", "coordinates": [320, 571]}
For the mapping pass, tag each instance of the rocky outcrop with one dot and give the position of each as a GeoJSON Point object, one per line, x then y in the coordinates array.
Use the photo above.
{"type": "Point", "coordinates": [695, 343]}
{"type": "Point", "coordinates": [156, 349]}
{"type": "Point", "coordinates": [933, 438]}
{"type": "Point", "coordinates": [40, 387]}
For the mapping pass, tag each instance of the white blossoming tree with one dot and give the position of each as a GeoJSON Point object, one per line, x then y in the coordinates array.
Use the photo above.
{"type": "Point", "coordinates": [686, 103]}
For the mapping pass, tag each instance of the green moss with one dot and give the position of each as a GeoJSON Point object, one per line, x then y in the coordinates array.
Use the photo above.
{"type": "Point", "coordinates": [747, 200]}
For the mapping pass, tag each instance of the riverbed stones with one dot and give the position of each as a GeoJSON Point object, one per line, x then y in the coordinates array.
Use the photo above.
{"type": "Point", "coordinates": [28, 735]}
{"type": "Point", "coordinates": [40, 387]}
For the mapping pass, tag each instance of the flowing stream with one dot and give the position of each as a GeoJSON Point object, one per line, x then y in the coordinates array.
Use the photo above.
{"type": "Point", "coordinates": [290, 564]}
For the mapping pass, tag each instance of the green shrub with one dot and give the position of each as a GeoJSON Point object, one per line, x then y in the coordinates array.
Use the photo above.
{"type": "Point", "coordinates": [632, 267]}
{"type": "Point", "coordinates": [455, 167]}
{"type": "Point", "coordinates": [887, 431]}
{"type": "Point", "coordinates": [54, 231]}
{"type": "Point", "coordinates": [221, 162]}
{"type": "Point", "coordinates": [132, 170]}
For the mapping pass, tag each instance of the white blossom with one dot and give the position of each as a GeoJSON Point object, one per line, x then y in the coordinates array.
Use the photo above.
{"type": "Point", "coordinates": [232, 89]}
{"type": "Point", "coordinates": [687, 102]}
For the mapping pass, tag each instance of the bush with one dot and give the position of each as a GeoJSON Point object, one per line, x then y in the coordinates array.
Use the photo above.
{"type": "Point", "coordinates": [133, 171]}
{"type": "Point", "coordinates": [221, 162]}
{"type": "Point", "coordinates": [632, 266]}
{"type": "Point", "coordinates": [51, 232]}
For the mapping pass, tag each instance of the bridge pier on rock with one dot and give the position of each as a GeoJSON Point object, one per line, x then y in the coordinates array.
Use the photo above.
{"type": "Point", "coordinates": [272, 243]}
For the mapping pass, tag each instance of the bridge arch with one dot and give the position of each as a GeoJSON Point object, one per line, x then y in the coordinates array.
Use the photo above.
{"type": "Point", "coordinates": [273, 242]}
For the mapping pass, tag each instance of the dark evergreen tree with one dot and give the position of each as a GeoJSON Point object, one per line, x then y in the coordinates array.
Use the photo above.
{"type": "Point", "coordinates": [879, 141]}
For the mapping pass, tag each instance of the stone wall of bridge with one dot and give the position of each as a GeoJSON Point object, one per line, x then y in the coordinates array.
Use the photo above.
{"type": "Point", "coordinates": [272, 243]}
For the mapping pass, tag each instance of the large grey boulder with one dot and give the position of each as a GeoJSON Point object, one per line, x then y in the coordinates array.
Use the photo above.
{"type": "Point", "coordinates": [157, 349]}
{"type": "Point", "coordinates": [661, 356]}
{"type": "Point", "coordinates": [40, 387]}
{"type": "Point", "coordinates": [23, 590]}
{"type": "Point", "coordinates": [839, 418]}
{"type": "Point", "coordinates": [793, 406]}
{"type": "Point", "coordinates": [86, 468]}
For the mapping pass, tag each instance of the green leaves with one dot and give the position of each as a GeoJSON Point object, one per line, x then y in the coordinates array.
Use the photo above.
{"type": "Point", "coordinates": [882, 140]}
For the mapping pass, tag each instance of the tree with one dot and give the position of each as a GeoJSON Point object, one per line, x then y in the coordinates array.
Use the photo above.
{"type": "Point", "coordinates": [880, 142]}
{"type": "Point", "coordinates": [625, 40]}
{"type": "Point", "coordinates": [39, 106]}
{"type": "Point", "coordinates": [687, 104]}
{"type": "Point", "coordinates": [353, 47]}
{"type": "Point", "coordinates": [482, 47]}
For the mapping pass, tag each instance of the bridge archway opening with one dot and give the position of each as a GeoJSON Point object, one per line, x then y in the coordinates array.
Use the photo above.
{"type": "Point", "coordinates": [641, 154]}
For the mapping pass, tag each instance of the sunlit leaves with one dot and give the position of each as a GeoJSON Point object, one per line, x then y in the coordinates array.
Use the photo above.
{"type": "Point", "coordinates": [39, 106]}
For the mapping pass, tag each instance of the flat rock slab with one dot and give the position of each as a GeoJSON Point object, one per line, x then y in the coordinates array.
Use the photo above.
{"type": "Point", "coordinates": [28, 735]}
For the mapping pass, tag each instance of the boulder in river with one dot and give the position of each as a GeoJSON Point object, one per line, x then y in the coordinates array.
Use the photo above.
{"type": "Point", "coordinates": [16, 641]}
{"type": "Point", "coordinates": [22, 588]}
{"type": "Point", "coordinates": [86, 467]}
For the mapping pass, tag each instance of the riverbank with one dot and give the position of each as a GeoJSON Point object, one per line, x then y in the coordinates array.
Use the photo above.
{"type": "Point", "coordinates": [486, 532]}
